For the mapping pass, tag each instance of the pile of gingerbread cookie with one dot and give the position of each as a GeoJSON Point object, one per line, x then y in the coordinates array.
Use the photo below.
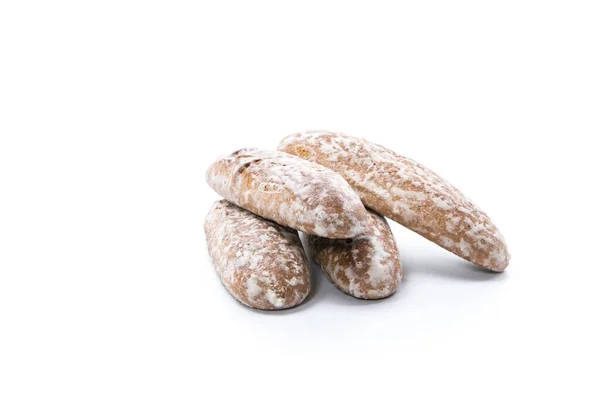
{"type": "Point", "coordinates": [338, 190]}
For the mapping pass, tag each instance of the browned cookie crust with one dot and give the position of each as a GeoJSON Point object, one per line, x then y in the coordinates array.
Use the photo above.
{"type": "Point", "coordinates": [260, 263]}
{"type": "Point", "coordinates": [407, 192]}
{"type": "Point", "coordinates": [367, 267]}
{"type": "Point", "coordinates": [290, 191]}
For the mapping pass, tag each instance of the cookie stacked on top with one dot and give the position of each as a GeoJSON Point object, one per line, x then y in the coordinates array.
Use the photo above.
{"type": "Point", "coordinates": [317, 183]}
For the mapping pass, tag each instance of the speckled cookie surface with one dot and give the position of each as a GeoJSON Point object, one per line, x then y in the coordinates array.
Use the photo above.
{"type": "Point", "coordinates": [260, 263]}
{"type": "Point", "coordinates": [407, 192]}
{"type": "Point", "coordinates": [290, 191]}
{"type": "Point", "coordinates": [367, 267]}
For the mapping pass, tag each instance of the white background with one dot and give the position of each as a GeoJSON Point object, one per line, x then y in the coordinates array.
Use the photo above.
{"type": "Point", "coordinates": [111, 111]}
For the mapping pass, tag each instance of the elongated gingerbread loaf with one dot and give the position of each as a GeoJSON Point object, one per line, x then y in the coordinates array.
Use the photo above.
{"type": "Point", "coordinates": [367, 267]}
{"type": "Point", "coordinates": [290, 191]}
{"type": "Point", "coordinates": [407, 192]}
{"type": "Point", "coordinates": [260, 263]}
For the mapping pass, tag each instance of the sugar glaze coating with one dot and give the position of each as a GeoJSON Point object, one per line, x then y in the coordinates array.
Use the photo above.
{"type": "Point", "coordinates": [367, 267]}
{"type": "Point", "coordinates": [260, 263]}
{"type": "Point", "coordinates": [290, 191]}
{"type": "Point", "coordinates": [408, 193]}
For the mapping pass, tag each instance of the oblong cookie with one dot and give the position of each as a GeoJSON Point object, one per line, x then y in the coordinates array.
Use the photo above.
{"type": "Point", "coordinates": [290, 191]}
{"type": "Point", "coordinates": [407, 192]}
{"type": "Point", "coordinates": [367, 267]}
{"type": "Point", "coordinates": [260, 263]}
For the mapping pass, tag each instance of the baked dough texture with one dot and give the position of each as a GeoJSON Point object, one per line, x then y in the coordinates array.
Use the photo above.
{"type": "Point", "coordinates": [408, 193]}
{"type": "Point", "coordinates": [367, 267]}
{"type": "Point", "coordinates": [290, 191]}
{"type": "Point", "coordinates": [260, 263]}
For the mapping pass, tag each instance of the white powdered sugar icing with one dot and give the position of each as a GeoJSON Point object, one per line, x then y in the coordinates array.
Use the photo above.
{"type": "Point", "coordinates": [261, 264]}
{"type": "Point", "coordinates": [407, 192]}
{"type": "Point", "coordinates": [367, 267]}
{"type": "Point", "coordinates": [252, 287]}
{"type": "Point", "coordinates": [289, 190]}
